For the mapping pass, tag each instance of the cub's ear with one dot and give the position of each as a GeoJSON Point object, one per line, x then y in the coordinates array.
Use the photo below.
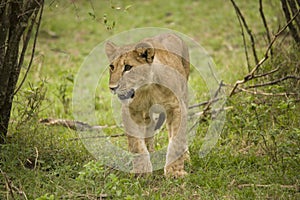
{"type": "Point", "coordinates": [145, 51]}
{"type": "Point", "coordinates": [110, 50]}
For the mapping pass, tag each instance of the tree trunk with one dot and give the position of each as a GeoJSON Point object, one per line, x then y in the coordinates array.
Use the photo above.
{"type": "Point", "coordinates": [290, 9]}
{"type": "Point", "coordinates": [17, 19]}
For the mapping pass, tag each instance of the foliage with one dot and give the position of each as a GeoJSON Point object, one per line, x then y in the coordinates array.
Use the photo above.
{"type": "Point", "coordinates": [257, 156]}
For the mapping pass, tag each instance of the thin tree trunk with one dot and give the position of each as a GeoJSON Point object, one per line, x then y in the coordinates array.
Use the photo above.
{"type": "Point", "coordinates": [290, 9]}
{"type": "Point", "coordinates": [15, 20]}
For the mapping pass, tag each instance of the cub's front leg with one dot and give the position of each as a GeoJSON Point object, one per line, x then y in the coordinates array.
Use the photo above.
{"type": "Point", "coordinates": [177, 151]}
{"type": "Point", "coordinates": [136, 143]}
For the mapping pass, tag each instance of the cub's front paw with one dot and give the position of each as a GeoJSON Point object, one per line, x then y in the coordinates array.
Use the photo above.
{"type": "Point", "coordinates": [142, 165]}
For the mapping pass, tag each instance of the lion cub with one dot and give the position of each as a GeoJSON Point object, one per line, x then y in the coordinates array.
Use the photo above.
{"type": "Point", "coordinates": [150, 79]}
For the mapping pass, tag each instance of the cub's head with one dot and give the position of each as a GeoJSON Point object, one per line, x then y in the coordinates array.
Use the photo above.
{"type": "Point", "coordinates": [123, 60]}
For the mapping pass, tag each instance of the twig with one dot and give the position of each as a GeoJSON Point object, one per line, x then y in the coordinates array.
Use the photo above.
{"type": "Point", "coordinates": [98, 136]}
{"type": "Point", "coordinates": [273, 82]}
{"type": "Point", "coordinates": [257, 92]}
{"type": "Point", "coordinates": [266, 74]}
{"type": "Point", "coordinates": [207, 104]}
{"type": "Point", "coordinates": [295, 187]}
{"type": "Point", "coordinates": [214, 111]}
{"type": "Point", "coordinates": [36, 157]}
{"type": "Point", "coordinates": [262, 14]}
{"type": "Point", "coordinates": [8, 184]}
{"type": "Point", "coordinates": [239, 13]}
{"type": "Point", "coordinates": [11, 188]}
{"type": "Point", "coordinates": [204, 103]}
{"type": "Point", "coordinates": [211, 101]}
{"type": "Point", "coordinates": [250, 75]}
{"type": "Point", "coordinates": [244, 41]}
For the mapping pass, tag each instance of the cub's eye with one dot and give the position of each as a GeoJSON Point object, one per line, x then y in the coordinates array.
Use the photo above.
{"type": "Point", "coordinates": [111, 67]}
{"type": "Point", "coordinates": [127, 68]}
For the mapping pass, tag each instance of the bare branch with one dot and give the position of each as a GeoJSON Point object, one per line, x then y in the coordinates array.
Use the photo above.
{"type": "Point", "coordinates": [262, 14]}
{"type": "Point", "coordinates": [257, 92]}
{"type": "Point", "coordinates": [239, 13]}
{"type": "Point", "coordinates": [204, 103]}
{"type": "Point", "coordinates": [244, 42]}
{"type": "Point", "coordinates": [266, 74]}
{"type": "Point", "coordinates": [274, 82]}
{"type": "Point", "coordinates": [250, 75]}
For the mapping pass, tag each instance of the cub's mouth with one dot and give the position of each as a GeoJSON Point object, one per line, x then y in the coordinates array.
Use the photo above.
{"type": "Point", "coordinates": [128, 95]}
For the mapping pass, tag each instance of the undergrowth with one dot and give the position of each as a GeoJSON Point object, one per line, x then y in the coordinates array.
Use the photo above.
{"type": "Point", "coordinates": [257, 156]}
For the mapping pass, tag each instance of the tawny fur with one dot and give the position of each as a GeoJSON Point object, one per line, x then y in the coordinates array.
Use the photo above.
{"type": "Point", "coordinates": [165, 51]}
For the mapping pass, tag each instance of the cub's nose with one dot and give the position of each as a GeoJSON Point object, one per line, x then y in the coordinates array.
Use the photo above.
{"type": "Point", "coordinates": [113, 88]}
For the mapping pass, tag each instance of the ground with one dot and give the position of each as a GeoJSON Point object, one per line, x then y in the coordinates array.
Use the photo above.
{"type": "Point", "coordinates": [257, 156]}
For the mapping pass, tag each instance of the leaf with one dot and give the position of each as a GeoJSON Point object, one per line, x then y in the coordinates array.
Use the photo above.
{"type": "Point", "coordinates": [127, 7]}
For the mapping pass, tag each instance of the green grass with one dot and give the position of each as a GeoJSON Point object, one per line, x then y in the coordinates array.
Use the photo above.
{"type": "Point", "coordinates": [257, 156]}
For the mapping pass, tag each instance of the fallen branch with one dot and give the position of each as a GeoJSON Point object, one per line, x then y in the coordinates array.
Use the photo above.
{"type": "Point", "coordinates": [295, 187]}
{"type": "Point", "coordinates": [78, 126]}
{"type": "Point", "coordinates": [98, 136]}
{"type": "Point", "coordinates": [72, 124]}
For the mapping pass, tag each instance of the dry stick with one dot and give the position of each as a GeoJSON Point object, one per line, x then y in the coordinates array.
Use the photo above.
{"type": "Point", "coordinates": [213, 100]}
{"type": "Point", "coordinates": [295, 187]}
{"type": "Point", "coordinates": [214, 111]}
{"type": "Point", "coordinates": [72, 124]}
{"type": "Point", "coordinates": [207, 106]}
{"type": "Point", "coordinates": [36, 157]}
{"type": "Point", "coordinates": [250, 75]}
{"type": "Point", "coordinates": [244, 41]}
{"type": "Point", "coordinates": [262, 14]}
{"type": "Point", "coordinates": [266, 74]}
{"type": "Point", "coordinates": [257, 92]}
{"type": "Point", "coordinates": [98, 136]}
{"type": "Point", "coordinates": [79, 126]}
{"type": "Point", "coordinates": [237, 9]}
{"type": "Point", "coordinates": [8, 184]}
{"type": "Point", "coordinates": [273, 82]}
